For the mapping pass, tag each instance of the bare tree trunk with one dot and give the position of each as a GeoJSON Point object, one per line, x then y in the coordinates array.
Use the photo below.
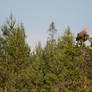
{"type": "Point", "coordinates": [85, 77]}
{"type": "Point", "coordinates": [85, 81]}
{"type": "Point", "coordinates": [6, 68]}
{"type": "Point", "coordinates": [5, 89]}
{"type": "Point", "coordinates": [86, 64]}
{"type": "Point", "coordinates": [1, 89]}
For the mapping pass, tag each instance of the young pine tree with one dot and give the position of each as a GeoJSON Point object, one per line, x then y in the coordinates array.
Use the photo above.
{"type": "Point", "coordinates": [16, 55]}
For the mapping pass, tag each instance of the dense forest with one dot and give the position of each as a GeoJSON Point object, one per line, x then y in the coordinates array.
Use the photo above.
{"type": "Point", "coordinates": [63, 65]}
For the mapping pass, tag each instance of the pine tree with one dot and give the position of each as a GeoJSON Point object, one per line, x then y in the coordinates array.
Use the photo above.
{"type": "Point", "coordinates": [52, 31]}
{"type": "Point", "coordinates": [16, 53]}
{"type": "Point", "coordinates": [71, 78]}
{"type": "Point", "coordinates": [85, 55]}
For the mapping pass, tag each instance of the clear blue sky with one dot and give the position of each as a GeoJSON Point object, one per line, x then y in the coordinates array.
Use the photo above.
{"type": "Point", "coordinates": [38, 14]}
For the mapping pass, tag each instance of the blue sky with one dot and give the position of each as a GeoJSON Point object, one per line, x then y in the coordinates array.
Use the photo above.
{"type": "Point", "coordinates": [38, 14]}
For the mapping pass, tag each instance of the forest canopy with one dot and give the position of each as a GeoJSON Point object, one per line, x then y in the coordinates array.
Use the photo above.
{"type": "Point", "coordinates": [62, 65]}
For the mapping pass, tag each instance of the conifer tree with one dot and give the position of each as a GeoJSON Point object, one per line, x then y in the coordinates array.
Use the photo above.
{"type": "Point", "coordinates": [15, 53]}
{"type": "Point", "coordinates": [85, 55]}
{"type": "Point", "coordinates": [52, 31]}
{"type": "Point", "coordinates": [71, 63]}
{"type": "Point", "coordinates": [61, 66]}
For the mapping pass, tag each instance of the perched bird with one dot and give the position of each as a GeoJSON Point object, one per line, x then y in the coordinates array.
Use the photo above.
{"type": "Point", "coordinates": [82, 34]}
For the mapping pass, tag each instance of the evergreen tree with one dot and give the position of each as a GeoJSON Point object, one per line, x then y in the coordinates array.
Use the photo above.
{"type": "Point", "coordinates": [61, 66]}
{"type": "Point", "coordinates": [52, 31]}
{"type": "Point", "coordinates": [71, 63]}
{"type": "Point", "coordinates": [15, 53]}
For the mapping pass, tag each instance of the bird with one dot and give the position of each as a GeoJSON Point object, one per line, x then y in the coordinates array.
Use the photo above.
{"type": "Point", "coordinates": [82, 34]}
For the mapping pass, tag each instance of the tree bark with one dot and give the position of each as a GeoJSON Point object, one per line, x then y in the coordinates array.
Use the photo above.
{"type": "Point", "coordinates": [5, 89]}
{"type": "Point", "coordinates": [85, 81]}
{"type": "Point", "coordinates": [1, 89]}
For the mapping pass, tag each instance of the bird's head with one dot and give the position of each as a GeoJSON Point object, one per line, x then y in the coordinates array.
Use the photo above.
{"type": "Point", "coordinates": [85, 30]}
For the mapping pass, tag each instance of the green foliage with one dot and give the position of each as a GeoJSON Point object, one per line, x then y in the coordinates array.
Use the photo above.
{"type": "Point", "coordinates": [68, 37]}
{"type": "Point", "coordinates": [52, 31]}
{"type": "Point", "coordinates": [58, 67]}
{"type": "Point", "coordinates": [15, 54]}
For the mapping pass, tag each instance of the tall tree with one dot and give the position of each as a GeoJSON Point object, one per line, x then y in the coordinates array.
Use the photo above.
{"type": "Point", "coordinates": [16, 54]}
{"type": "Point", "coordinates": [52, 31]}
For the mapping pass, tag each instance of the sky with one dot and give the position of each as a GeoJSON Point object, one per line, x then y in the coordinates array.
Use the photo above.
{"type": "Point", "coordinates": [38, 14]}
